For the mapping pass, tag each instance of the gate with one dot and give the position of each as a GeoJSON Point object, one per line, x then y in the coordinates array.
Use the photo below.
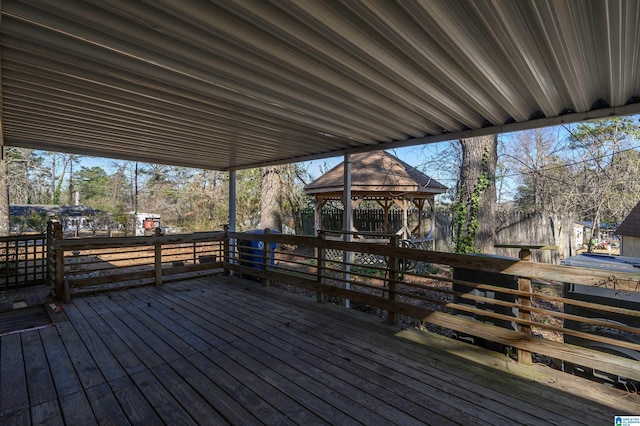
{"type": "Point", "coordinates": [23, 261]}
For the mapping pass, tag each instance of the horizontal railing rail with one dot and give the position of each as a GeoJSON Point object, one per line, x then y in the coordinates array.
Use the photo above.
{"type": "Point", "coordinates": [95, 263]}
{"type": "Point", "coordinates": [537, 308]}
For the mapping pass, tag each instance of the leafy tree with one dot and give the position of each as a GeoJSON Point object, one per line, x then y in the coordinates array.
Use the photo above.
{"type": "Point", "coordinates": [295, 200]}
{"type": "Point", "coordinates": [94, 186]}
{"type": "Point", "coordinates": [248, 195]}
{"type": "Point", "coordinates": [58, 179]}
{"type": "Point", "coordinates": [37, 222]}
{"type": "Point", "coordinates": [205, 203]}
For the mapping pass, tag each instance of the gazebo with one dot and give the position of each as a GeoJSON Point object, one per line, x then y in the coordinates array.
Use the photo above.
{"type": "Point", "coordinates": [383, 178]}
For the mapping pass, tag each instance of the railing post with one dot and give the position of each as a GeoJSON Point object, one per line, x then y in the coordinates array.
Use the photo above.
{"type": "Point", "coordinates": [195, 254]}
{"type": "Point", "coordinates": [158, 260]}
{"type": "Point", "coordinates": [320, 261]}
{"type": "Point", "coordinates": [49, 256]}
{"type": "Point", "coordinates": [393, 266]}
{"type": "Point", "coordinates": [226, 251]}
{"type": "Point", "coordinates": [524, 285]}
{"type": "Point", "coordinates": [266, 255]}
{"type": "Point", "coordinates": [58, 262]}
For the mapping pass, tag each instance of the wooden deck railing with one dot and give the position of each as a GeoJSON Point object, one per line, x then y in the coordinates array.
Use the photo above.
{"type": "Point", "coordinates": [531, 301]}
{"type": "Point", "coordinates": [430, 296]}
{"type": "Point", "coordinates": [99, 263]}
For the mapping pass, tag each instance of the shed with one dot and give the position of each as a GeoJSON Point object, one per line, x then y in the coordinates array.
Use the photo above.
{"type": "Point", "coordinates": [383, 178]}
{"type": "Point", "coordinates": [629, 233]}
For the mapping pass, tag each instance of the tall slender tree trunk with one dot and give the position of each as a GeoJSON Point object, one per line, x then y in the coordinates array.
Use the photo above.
{"type": "Point", "coordinates": [475, 207]}
{"type": "Point", "coordinates": [271, 199]}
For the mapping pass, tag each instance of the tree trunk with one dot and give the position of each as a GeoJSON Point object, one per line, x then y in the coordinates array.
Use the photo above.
{"type": "Point", "coordinates": [475, 209]}
{"type": "Point", "coordinates": [595, 232]}
{"type": "Point", "coordinates": [271, 199]}
{"type": "Point", "coordinates": [4, 197]}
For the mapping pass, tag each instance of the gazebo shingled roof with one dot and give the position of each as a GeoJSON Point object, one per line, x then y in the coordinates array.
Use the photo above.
{"type": "Point", "coordinates": [376, 174]}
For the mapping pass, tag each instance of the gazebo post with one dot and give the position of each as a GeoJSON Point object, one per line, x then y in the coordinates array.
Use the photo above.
{"type": "Point", "coordinates": [346, 225]}
{"type": "Point", "coordinates": [432, 203]}
{"type": "Point", "coordinates": [419, 203]}
{"type": "Point", "coordinates": [385, 208]}
{"type": "Point", "coordinates": [318, 205]}
{"type": "Point", "coordinates": [232, 214]}
{"type": "Point", "coordinates": [404, 206]}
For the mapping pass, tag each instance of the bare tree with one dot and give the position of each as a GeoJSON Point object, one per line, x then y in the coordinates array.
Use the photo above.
{"type": "Point", "coordinates": [607, 167]}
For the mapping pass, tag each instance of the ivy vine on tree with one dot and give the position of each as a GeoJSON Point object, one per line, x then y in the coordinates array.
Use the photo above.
{"type": "Point", "coordinates": [466, 211]}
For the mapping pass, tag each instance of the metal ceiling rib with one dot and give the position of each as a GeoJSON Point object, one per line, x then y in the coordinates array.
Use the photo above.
{"type": "Point", "coordinates": [241, 83]}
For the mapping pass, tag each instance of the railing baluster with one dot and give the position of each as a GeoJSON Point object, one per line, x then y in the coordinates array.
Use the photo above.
{"type": "Point", "coordinates": [393, 266]}
{"type": "Point", "coordinates": [266, 256]}
{"type": "Point", "coordinates": [158, 262]}
{"type": "Point", "coordinates": [226, 251]}
{"type": "Point", "coordinates": [320, 262]}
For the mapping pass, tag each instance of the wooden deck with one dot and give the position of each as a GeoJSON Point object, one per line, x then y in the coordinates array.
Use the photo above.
{"type": "Point", "coordinates": [222, 350]}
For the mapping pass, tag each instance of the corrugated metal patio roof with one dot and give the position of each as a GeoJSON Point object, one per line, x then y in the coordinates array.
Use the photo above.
{"type": "Point", "coordinates": [241, 83]}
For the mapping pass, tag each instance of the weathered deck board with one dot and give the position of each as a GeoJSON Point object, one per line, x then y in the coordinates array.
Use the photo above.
{"type": "Point", "coordinates": [39, 380]}
{"type": "Point", "coordinates": [110, 366]}
{"type": "Point", "coordinates": [76, 409]}
{"type": "Point", "coordinates": [213, 384]}
{"type": "Point", "coordinates": [64, 375]}
{"type": "Point", "coordinates": [112, 348]}
{"type": "Point", "coordinates": [448, 382]}
{"type": "Point", "coordinates": [443, 397]}
{"type": "Point", "coordinates": [14, 395]}
{"type": "Point", "coordinates": [278, 401]}
{"type": "Point", "coordinates": [105, 406]}
{"type": "Point", "coordinates": [47, 413]}
{"type": "Point", "coordinates": [448, 368]}
{"type": "Point", "coordinates": [83, 363]}
{"type": "Point", "coordinates": [133, 402]}
{"type": "Point", "coordinates": [226, 351]}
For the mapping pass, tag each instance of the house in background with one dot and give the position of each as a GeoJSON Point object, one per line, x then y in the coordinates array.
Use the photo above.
{"type": "Point", "coordinates": [629, 233]}
{"type": "Point", "coordinates": [34, 217]}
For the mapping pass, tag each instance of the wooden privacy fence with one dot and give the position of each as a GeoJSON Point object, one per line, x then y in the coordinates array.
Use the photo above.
{"type": "Point", "coordinates": [479, 304]}
{"type": "Point", "coordinates": [97, 264]}
{"type": "Point", "coordinates": [22, 261]}
{"type": "Point", "coordinates": [511, 226]}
